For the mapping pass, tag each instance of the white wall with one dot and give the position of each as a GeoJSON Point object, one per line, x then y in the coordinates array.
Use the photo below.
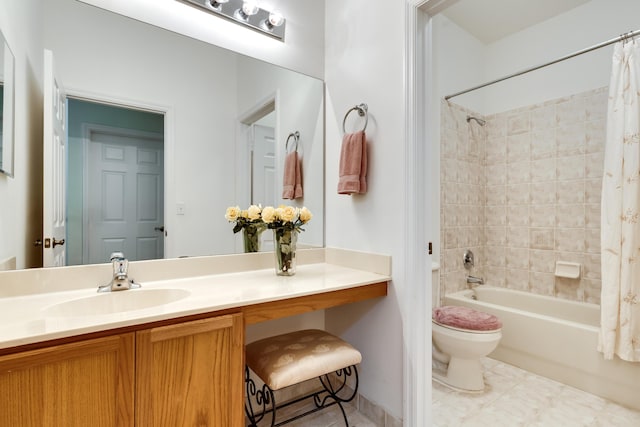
{"type": "Point", "coordinates": [576, 29]}
{"type": "Point", "coordinates": [458, 62]}
{"type": "Point", "coordinates": [364, 63]}
{"type": "Point", "coordinates": [303, 50]}
{"type": "Point", "coordinates": [21, 196]}
{"type": "Point", "coordinates": [579, 28]}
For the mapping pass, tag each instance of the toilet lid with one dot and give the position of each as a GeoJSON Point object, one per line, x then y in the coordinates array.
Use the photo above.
{"type": "Point", "coordinates": [465, 318]}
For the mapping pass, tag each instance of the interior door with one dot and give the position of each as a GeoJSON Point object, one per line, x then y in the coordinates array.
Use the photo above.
{"type": "Point", "coordinates": [125, 200]}
{"type": "Point", "coordinates": [54, 168]}
{"type": "Point", "coordinates": [264, 166]}
{"type": "Point", "coordinates": [264, 174]}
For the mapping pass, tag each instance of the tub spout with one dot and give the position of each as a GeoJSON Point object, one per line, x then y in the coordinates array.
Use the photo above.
{"type": "Point", "coordinates": [472, 280]}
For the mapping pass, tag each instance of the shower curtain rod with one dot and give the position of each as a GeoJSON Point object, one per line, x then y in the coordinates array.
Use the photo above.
{"type": "Point", "coordinates": [625, 36]}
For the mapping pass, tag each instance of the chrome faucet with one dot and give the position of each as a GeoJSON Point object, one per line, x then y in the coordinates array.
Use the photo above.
{"type": "Point", "coordinates": [120, 280]}
{"type": "Point", "coordinates": [473, 280]}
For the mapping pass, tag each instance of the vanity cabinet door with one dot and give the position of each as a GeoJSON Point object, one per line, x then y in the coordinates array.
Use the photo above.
{"type": "Point", "coordinates": [87, 383]}
{"type": "Point", "coordinates": [191, 374]}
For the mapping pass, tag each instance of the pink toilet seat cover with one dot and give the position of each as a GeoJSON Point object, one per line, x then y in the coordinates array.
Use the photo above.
{"type": "Point", "coordinates": [466, 318]}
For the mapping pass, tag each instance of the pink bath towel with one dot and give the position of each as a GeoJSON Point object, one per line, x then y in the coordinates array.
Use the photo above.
{"type": "Point", "coordinates": [353, 164]}
{"type": "Point", "coordinates": [292, 182]}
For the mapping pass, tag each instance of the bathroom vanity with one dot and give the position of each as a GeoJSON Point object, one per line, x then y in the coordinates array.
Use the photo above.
{"type": "Point", "coordinates": [179, 359]}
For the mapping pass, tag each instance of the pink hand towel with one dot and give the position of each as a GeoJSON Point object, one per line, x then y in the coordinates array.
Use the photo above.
{"type": "Point", "coordinates": [292, 182]}
{"type": "Point", "coordinates": [353, 164]}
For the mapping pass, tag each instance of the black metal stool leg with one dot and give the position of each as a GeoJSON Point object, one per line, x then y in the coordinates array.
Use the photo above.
{"type": "Point", "coordinates": [263, 399]}
{"type": "Point", "coordinates": [333, 393]}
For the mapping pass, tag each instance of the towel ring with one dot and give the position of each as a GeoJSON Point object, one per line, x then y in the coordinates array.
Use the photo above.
{"type": "Point", "coordinates": [296, 138]}
{"type": "Point", "coordinates": [363, 111]}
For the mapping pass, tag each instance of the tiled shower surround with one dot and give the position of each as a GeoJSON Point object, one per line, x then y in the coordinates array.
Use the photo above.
{"type": "Point", "coordinates": [523, 192]}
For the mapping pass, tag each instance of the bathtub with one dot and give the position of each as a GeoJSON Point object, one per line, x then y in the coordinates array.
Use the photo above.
{"type": "Point", "coordinates": [554, 338]}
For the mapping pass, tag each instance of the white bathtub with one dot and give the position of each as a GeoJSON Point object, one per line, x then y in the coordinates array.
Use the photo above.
{"type": "Point", "coordinates": [555, 338]}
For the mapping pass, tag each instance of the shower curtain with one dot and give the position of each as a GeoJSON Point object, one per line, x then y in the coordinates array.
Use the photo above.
{"type": "Point", "coordinates": [620, 226]}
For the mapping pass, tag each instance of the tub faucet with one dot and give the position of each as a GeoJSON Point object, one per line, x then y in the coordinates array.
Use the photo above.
{"type": "Point", "coordinates": [120, 280]}
{"type": "Point", "coordinates": [473, 280]}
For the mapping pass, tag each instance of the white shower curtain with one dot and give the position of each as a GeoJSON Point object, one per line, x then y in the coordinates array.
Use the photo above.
{"type": "Point", "coordinates": [620, 231]}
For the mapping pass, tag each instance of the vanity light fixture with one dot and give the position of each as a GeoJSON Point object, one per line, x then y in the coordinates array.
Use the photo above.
{"type": "Point", "coordinates": [246, 13]}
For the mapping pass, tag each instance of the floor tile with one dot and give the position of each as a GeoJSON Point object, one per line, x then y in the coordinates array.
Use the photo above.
{"type": "Point", "coordinates": [329, 417]}
{"type": "Point", "coordinates": [517, 398]}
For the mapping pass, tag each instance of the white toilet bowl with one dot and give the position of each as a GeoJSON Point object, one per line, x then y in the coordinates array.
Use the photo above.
{"type": "Point", "coordinates": [462, 350]}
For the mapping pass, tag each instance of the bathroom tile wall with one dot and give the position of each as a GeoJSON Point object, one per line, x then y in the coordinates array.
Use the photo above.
{"type": "Point", "coordinates": [463, 196]}
{"type": "Point", "coordinates": [541, 179]}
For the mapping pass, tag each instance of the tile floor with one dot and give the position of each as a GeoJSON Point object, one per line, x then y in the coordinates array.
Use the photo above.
{"type": "Point", "coordinates": [330, 417]}
{"type": "Point", "coordinates": [519, 398]}
{"type": "Point", "coordinates": [515, 398]}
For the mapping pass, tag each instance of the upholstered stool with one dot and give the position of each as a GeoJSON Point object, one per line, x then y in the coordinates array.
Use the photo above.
{"type": "Point", "coordinates": [284, 360]}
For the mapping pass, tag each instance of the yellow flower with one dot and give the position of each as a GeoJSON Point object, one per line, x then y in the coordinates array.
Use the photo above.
{"type": "Point", "coordinates": [253, 212]}
{"type": "Point", "coordinates": [287, 213]}
{"type": "Point", "coordinates": [232, 214]}
{"type": "Point", "coordinates": [305, 215]}
{"type": "Point", "coordinates": [244, 214]}
{"type": "Point", "coordinates": [269, 214]}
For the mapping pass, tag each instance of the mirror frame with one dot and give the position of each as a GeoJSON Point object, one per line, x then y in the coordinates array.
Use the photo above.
{"type": "Point", "coordinates": [7, 148]}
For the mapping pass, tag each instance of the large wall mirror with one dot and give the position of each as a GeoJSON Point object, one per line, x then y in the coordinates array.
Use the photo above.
{"type": "Point", "coordinates": [7, 69]}
{"type": "Point", "coordinates": [210, 103]}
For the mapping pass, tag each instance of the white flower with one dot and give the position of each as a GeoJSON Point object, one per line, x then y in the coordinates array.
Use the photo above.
{"type": "Point", "coordinates": [269, 214]}
{"type": "Point", "coordinates": [253, 212]}
{"type": "Point", "coordinates": [287, 213]}
{"type": "Point", "coordinates": [232, 214]}
{"type": "Point", "coordinates": [305, 215]}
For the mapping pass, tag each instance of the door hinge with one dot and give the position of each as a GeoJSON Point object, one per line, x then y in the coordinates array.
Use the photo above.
{"type": "Point", "coordinates": [430, 248]}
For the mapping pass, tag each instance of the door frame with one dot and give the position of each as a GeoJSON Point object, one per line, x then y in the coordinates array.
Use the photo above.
{"type": "Point", "coordinates": [244, 163]}
{"type": "Point", "coordinates": [87, 129]}
{"type": "Point", "coordinates": [169, 147]}
{"type": "Point", "coordinates": [419, 230]}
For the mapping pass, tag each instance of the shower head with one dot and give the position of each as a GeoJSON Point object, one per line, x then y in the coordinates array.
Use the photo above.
{"type": "Point", "coordinates": [479, 121]}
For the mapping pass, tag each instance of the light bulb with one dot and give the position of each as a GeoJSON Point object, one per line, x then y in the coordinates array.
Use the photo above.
{"type": "Point", "coordinates": [276, 19]}
{"type": "Point", "coordinates": [250, 8]}
{"type": "Point", "coordinates": [217, 3]}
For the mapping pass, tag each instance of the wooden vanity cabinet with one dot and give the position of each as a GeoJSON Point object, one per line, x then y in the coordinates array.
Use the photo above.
{"type": "Point", "coordinates": [191, 374]}
{"type": "Point", "coordinates": [184, 374]}
{"type": "Point", "coordinates": [85, 383]}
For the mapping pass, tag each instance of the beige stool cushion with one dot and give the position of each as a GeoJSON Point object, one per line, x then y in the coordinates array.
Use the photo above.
{"type": "Point", "coordinates": [288, 359]}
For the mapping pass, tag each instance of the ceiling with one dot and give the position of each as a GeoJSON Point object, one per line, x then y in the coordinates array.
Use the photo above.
{"type": "Point", "coordinates": [491, 20]}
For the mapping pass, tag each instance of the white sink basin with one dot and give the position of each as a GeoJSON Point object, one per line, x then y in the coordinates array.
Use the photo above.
{"type": "Point", "coordinates": [115, 302]}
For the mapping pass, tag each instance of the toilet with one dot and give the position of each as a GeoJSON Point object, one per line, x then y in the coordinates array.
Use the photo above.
{"type": "Point", "coordinates": [461, 338]}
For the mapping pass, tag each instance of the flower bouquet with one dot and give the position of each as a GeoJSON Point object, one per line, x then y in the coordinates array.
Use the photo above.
{"type": "Point", "coordinates": [286, 222]}
{"type": "Point", "coordinates": [251, 224]}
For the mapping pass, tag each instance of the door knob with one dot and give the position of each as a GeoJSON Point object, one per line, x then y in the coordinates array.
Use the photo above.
{"type": "Point", "coordinates": [37, 242]}
{"type": "Point", "coordinates": [50, 242]}
{"type": "Point", "coordinates": [161, 228]}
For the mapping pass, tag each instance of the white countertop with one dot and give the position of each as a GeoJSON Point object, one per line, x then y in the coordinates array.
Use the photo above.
{"type": "Point", "coordinates": [28, 318]}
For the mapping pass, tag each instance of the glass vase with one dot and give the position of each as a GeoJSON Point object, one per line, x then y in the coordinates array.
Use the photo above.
{"type": "Point", "coordinates": [284, 246]}
{"type": "Point", "coordinates": [251, 238]}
